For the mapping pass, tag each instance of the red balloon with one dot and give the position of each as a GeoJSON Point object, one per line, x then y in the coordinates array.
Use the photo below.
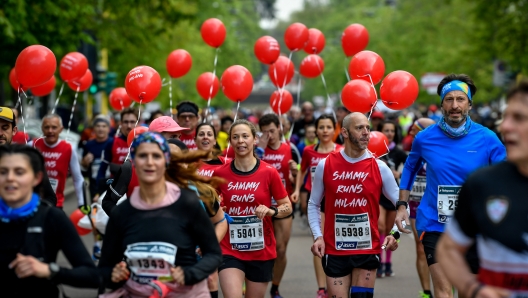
{"type": "Point", "coordinates": [296, 36]}
{"type": "Point", "coordinates": [45, 88]}
{"type": "Point", "coordinates": [179, 63]}
{"type": "Point", "coordinates": [237, 83]}
{"type": "Point", "coordinates": [135, 132]}
{"type": "Point", "coordinates": [367, 62]}
{"type": "Point", "coordinates": [35, 65]}
{"type": "Point", "coordinates": [13, 80]}
{"type": "Point", "coordinates": [75, 217]}
{"type": "Point", "coordinates": [281, 72]}
{"type": "Point", "coordinates": [378, 143]}
{"type": "Point", "coordinates": [316, 41]}
{"type": "Point", "coordinates": [73, 66]}
{"type": "Point", "coordinates": [83, 83]}
{"type": "Point", "coordinates": [399, 90]}
{"type": "Point", "coordinates": [355, 39]}
{"type": "Point", "coordinates": [213, 32]}
{"type": "Point", "coordinates": [312, 66]}
{"type": "Point", "coordinates": [119, 99]}
{"type": "Point", "coordinates": [203, 85]}
{"type": "Point", "coordinates": [267, 49]}
{"type": "Point", "coordinates": [358, 96]}
{"type": "Point", "coordinates": [143, 84]}
{"type": "Point", "coordinates": [281, 101]}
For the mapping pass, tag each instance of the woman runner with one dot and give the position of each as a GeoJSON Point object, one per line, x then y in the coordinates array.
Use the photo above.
{"type": "Point", "coordinates": [249, 250]}
{"type": "Point", "coordinates": [205, 139]}
{"type": "Point", "coordinates": [325, 129]}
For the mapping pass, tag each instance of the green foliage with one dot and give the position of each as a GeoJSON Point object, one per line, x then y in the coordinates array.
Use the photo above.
{"type": "Point", "coordinates": [416, 36]}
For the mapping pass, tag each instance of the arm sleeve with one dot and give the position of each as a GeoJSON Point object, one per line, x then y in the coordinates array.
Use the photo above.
{"type": "Point", "coordinates": [47, 191]}
{"type": "Point", "coordinates": [83, 273]}
{"type": "Point", "coordinates": [412, 165]}
{"type": "Point", "coordinates": [390, 187]}
{"type": "Point", "coordinates": [314, 205]}
{"type": "Point", "coordinates": [205, 236]}
{"type": "Point", "coordinates": [497, 150]}
{"type": "Point", "coordinates": [111, 253]}
{"type": "Point", "coordinates": [463, 227]}
{"type": "Point", "coordinates": [78, 180]}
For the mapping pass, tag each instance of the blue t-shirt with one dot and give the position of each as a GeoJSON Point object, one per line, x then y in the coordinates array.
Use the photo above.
{"type": "Point", "coordinates": [449, 163]}
{"type": "Point", "coordinates": [97, 149]}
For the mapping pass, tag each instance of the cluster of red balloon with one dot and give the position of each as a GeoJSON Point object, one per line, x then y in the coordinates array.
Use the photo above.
{"type": "Point", "coordinates": [34, 69]}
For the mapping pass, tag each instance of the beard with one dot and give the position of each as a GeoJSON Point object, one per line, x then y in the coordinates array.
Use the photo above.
{"type": "Point", "coordinates": [454, 122]}
{"type": "Point", "coordinates": [356, 141]}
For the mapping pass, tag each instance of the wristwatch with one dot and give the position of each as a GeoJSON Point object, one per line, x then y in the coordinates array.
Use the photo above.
{"type": "Point", "coordinates": [54, 270]}
{"type": "Point", "coordinates": [400, 203]}
{"type": "Point", "coordinates": [274, 210]}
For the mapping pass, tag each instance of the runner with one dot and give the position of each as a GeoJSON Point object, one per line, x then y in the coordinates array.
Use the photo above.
{"type": "Point", "coordinates": [167, 127]}
{"type": "Point", "coordinates": [164, 219]}
{"type": "Point", "coordinates": [21, 137]}
{"type": "Point", "coordinates": [351, 181]}
{"type": "Point", "coordinates": [8, 128]}
{"type": "Point", "coordinates": [60, 160]}
{"type": "Point", "coordinates": [415, 197]}
{"type": "Point", "coordinates": [206, 140]}
{"type": "Point", "coordinates": [32, 232]}
{"type": "Point", "coordinates": [394, 160]}
{"type": "Point", "coordinates": [492, 212]}
{"type": "Point", "coordinates": [452, 148]}
{"type": "Point", "coordinates": [250, 249]}
{"type": "Point", "coordinates": [284, 158]}
{"type": "Point", "coordinates": [325, 125]}
{"type": "Point", "coordinates": [188, 118]}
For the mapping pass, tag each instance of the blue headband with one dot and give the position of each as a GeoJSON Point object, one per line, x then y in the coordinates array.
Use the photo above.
{"type": "Point", "coordinates": [455, 85]}
{"type": "Point", "coordinates": [151, 137]}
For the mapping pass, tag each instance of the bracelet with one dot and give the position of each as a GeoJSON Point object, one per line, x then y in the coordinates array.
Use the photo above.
{"type": "Point", "coordinates": [476, 290]}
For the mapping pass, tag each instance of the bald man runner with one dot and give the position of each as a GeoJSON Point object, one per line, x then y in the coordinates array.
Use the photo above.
{"type": "Point", "coordinates": [415, 197]}
{"type": "Point", "coordinates": [351, 181]}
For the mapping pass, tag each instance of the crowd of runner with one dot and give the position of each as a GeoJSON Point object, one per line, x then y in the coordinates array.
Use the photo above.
{"type": "Point", "coordinates": [199, 203]}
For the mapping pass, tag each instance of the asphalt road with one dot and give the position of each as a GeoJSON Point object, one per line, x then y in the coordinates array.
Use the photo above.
{"type": "Point", "coordinates": [299, 278]}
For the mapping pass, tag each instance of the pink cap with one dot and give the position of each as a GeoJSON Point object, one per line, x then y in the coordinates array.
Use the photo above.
{"type": "Point", "coordinates": [165, 124]}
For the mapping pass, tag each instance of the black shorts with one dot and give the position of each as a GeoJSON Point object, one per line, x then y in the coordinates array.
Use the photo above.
{"type": "Point", "coordinates": [387, 204]}
{"type": "Point", "coordinates": [255, 271]}
{"type": "Point", "coordinates": [339, 266]}
{"type": "Point", "coordinates": [430, 240]}
{"type": "Point", "coordinates": [291, 215]}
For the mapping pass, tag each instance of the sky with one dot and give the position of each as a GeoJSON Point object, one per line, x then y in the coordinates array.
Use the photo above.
{"type": "Point", "coordinates": [284, 8]}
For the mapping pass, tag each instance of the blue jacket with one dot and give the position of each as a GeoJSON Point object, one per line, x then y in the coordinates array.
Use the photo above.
{"type": "Point", "coordinates": [449, 163]}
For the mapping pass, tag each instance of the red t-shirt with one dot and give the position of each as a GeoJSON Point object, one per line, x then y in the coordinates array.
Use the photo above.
{"type": "Point", "coordinates": [310, 160]}
{"type": "Point", "coordinates": [279, 160]}
{"type": "Point", "coordinates": [352, 193]}
{"type": "Point", "coordinates": [207, 168]}
{"type": "Point", "coordinates": [188, 140]}
{"type": "Point", "coordinates": [21, 138]}
{"type": "Point", "coordinates": [57, 160]}
{"type": "Point", "coordinates": [249, 238]}
{"type": "Point", "coordinates": [119, 151]}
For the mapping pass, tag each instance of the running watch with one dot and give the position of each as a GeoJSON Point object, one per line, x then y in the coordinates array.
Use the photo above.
{"type": "Point", "coordinates": [54, 270]}
{"type": "Point", "coordinates": [274, 210]}
{"type": "Point", "coordinates": [400, 203]}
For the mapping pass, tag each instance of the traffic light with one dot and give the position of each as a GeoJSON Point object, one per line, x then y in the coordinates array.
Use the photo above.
{"type": "Point", "coordinates": [111, 81]}
{"type": "Point", "coordinates": [104, 81]}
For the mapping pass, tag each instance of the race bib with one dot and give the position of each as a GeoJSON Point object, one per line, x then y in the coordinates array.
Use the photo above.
{"type": "Point", "coordinates": [150, 261]}
{"type": "Point", "coordinates": [418, 188]}
{"type": "Point", "coordinates": [447, 201]}
{"type": "Point", "coordinates": [96, 164]}
{"type": "Point", "coordinates": [246, 233]}
{"type": "Point", "coordinates": [312, 173]}
{"type": "Point", "coordinates": [54, 183]}
{"type": "Point", "coordinates": [352, 232]}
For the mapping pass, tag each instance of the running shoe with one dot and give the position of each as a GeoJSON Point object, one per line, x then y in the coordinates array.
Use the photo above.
{"type": "Point", "coordinates": [388, 270]}
{"type": "Point", "coordinates": [321, 294]}
{"type": "Point", "coordinates": [379, 272]}
{"type": "Point", "coordinates": [276, 295]}
{"type": "Point", "coordinates": [423, 295]}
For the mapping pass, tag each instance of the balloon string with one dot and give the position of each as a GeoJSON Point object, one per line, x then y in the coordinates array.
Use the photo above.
{"type": "Point", "coordinates": [118, 130]}
{"type": "Point", "coordinates": [328, 100]}
{"type": "Point", "coordinates": [299, 81]}
{"type": "Point", "coordinates": [73, 106]}
{"type": "Point", "coordinates": [22, 111]}
{"type": "Point", "coordinates": [287, 67]}
{"type": "Point", "coordinates": [135, 125]}
{"type": "Point", "coordinates": [372, 84]}
{"type": "Point", "coordinates": [215, 62]}
{"type": "Point", "coordinates": [234, 120]}
{"type": "Point", "coordinates": [57, 100]}
{"type": "Point", "coordinates": [346, 69]}
{"type": "Point", "coordinates": [170, 97]}
{"type": "Point", "coordinates": [388, 150]}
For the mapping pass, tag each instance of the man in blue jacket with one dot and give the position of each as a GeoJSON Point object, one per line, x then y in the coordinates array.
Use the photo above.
{"type": "Point", "coordinates": [453, 148]}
